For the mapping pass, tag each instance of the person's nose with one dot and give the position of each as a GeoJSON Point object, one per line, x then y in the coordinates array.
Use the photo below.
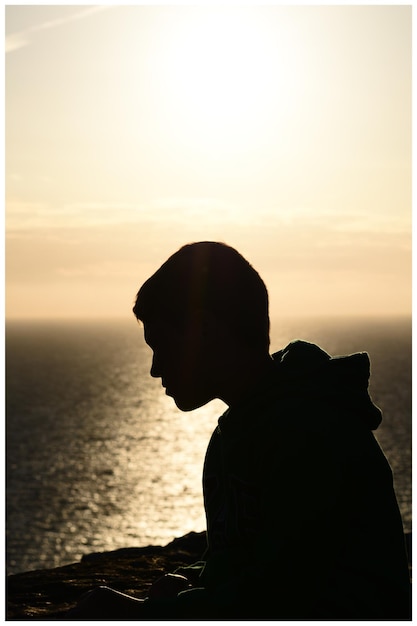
{"type": "Point", "coordinates": [155, 367]}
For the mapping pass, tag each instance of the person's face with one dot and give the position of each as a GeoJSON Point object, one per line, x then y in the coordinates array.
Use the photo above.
{"type": "Point", "coordinates": [181, 358]}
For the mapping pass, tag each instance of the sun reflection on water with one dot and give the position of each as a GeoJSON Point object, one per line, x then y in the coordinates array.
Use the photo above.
{"type": "Point", "coordinates": [99, 458]}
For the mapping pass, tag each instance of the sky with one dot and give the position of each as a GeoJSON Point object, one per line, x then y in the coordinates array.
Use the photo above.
{"type": "Point", "coordinates": [284, 131]}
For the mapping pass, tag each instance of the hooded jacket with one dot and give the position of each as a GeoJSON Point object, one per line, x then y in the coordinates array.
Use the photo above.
{"type": "Point", "coordinates": [302, 518]}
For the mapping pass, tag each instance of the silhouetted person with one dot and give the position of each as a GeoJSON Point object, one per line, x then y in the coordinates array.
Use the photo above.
{"type": "Point", "coordinates": [302, 519]}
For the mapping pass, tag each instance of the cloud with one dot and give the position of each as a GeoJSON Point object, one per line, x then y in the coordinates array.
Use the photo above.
{"type": "Point", "coordinates": [21, 215]}
{"type": "Point", "coordinates": [201, 217]}
{"type": "Point", "coordinates": [180, 211]}
{"type": "Point", "coordinates": [24, 38]}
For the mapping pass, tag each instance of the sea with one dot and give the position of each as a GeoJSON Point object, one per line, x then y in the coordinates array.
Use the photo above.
{"type": "Point", "coordinates": [99, 458]}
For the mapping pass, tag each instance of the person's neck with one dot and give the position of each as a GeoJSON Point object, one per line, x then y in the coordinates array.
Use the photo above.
{"type": "Point", "coordinates": [243, 375]}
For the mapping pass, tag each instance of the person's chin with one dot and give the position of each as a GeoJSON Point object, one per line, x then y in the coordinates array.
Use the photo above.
{"type": "Point", "coordinates": [185, 406]}
{"type": "Point", "coordinates": [188, 404]}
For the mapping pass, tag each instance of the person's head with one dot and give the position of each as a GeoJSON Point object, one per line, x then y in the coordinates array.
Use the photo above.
{"type": "Point", "coordinates": [203, 304]}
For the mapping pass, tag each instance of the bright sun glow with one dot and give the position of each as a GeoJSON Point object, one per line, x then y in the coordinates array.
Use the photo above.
{"type": "Point", "coordinates": [284, 130]}
{"type": "Point", "coordinates": [221, 73]}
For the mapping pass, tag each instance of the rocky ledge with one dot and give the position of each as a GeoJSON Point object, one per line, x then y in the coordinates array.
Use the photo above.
{"type": "Point", "coordinates": [48, 594]}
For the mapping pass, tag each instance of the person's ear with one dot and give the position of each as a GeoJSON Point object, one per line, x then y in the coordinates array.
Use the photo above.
{"type": "Point", "coordinates": [215, 329]}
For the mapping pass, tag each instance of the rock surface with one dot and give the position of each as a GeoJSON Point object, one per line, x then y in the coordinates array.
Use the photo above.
{"type": "Point", "coordinates": [48, 594]}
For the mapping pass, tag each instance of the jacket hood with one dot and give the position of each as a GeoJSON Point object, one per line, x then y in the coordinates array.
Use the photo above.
{"type": "Point", "coordinates": [339, 380]}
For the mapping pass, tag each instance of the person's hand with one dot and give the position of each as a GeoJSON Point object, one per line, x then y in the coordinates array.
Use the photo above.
{"type": "Point", "coordinates": [105, 603]}
{"type": "Point", "coordinates": [168, 586]}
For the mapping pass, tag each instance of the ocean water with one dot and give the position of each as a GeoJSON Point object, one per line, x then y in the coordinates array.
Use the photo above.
{"type": "Point", "coordinates": [98, 458]}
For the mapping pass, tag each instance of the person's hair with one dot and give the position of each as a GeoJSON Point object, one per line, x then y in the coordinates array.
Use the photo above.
{"type": "Point", "coordinates": [208, 276]}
